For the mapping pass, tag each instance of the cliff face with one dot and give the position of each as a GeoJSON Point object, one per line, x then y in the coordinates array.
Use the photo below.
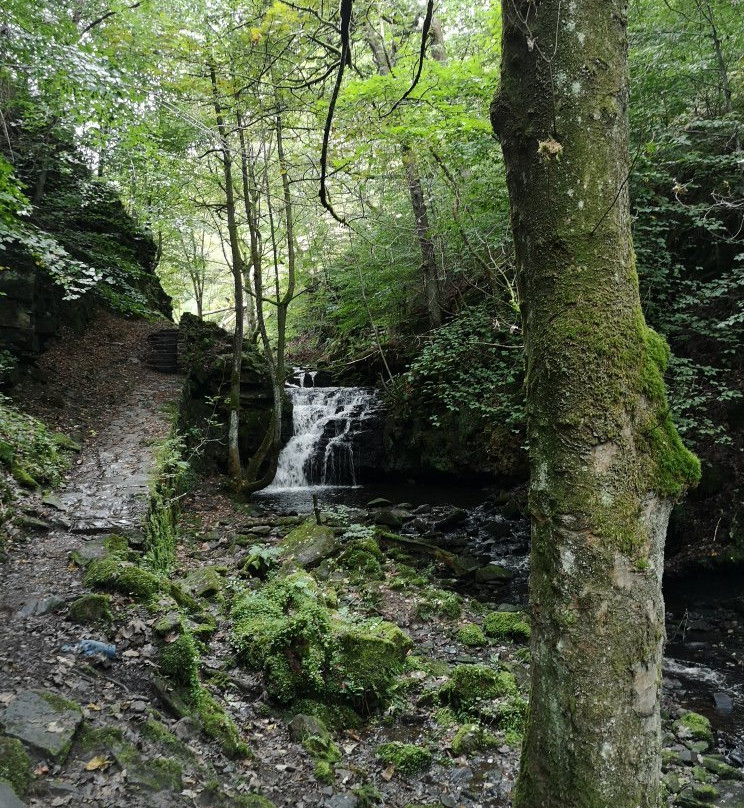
{"type": "Point", "coordinates": [78, 250]}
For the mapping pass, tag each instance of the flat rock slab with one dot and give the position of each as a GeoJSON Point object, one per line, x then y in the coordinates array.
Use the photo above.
{"type": "Point", "coordinates": [8, 798]}
{"type": "Point", "coordinates": [36, 608]}
{"type": "Point", "coordinates": [43, 721]}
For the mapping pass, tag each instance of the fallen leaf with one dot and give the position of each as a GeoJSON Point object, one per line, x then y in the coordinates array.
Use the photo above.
{"type": "Point", "coordinates": [41, 769]}
{"type": "Point", "coordinates": [98, 762]}
{"type": "Point", "coordinates": [387, 775]}
{"type": "Point", "coordinates": [96, 707]}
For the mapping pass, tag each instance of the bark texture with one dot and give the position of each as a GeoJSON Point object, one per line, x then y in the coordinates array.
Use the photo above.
{"type": "Point", "coordinates": [606, 461]}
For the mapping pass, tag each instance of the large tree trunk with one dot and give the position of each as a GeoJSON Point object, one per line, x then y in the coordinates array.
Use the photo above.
{"type": "Point", "coordinates": [606, 461]}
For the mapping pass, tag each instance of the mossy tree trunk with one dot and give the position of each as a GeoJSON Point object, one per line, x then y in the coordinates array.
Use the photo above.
{"type": "Point", "coordinates": [606, 461]}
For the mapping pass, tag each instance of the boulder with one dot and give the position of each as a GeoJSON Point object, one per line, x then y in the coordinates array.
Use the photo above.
{"type": "Point", "coordinates": [8, 798]}
{"type": "Point", "coordinates": [43, 721]}
{"type": "Point", "coordinates": [308, 544]}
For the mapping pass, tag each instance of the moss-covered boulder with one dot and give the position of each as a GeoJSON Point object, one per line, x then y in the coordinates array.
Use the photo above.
{"type": "Point", "coordinates": [44, 721]}
{"type": "Point", "coordinates": [15, 765]}
{"type": "Point", "coordinates": [308, 544]}
{"type": "Point", "coordinates": [506, 626]}
{"type": "Point", "coordinates": [90, 610]}
{"type": "Point", "coordinates": [306, 649]}
{"type": "Point", "coordinates": [179, 661]}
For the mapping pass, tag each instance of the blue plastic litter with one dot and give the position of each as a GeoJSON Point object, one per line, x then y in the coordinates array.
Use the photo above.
{"type": "Point", "coordinates": [91, 648]}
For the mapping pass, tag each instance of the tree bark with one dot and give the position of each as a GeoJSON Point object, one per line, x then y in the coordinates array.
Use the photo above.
{"type": "Point", "coordinates": [606, 462]}
{"type": "Point", "coordinates": [233, 447]}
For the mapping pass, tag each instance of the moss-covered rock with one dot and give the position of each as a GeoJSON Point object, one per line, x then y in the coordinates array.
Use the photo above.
{"type": "Point", "coordinates": [362, 558]}
{"type": "Point", "coordinates": [695, 727]}
{"type": "Point", "coordinates": [15, 765]}
{"type": "Point", "coordinates": [471, 684]}
{"type": "Point", "coordinates": [306, 649]}
{"type": "Point", "coordinates": [406, 757]}
{"type": "Point", "coordinates": [204, 582]}
{"type": "Point", "coordinates": [439, 602]}
{"type": "Point", "coordinates": [308, 544]}
{"type": "Point", "coordinates": [251, 801]}
{"type": "Point", "coordinates": [472, 738]}
{"type": "Point", "coordinates": [471, 635]}
{"type": "Point", "coordinates": [90, 610]}
{"type": "Point", "coordinates": [217, 724]}
{"type": "Point", "coordinates": [179, 661]}
{"type": "Point", "coordinates": [506, 626]}
{"type": "Point", "coordinates": [118, 576]}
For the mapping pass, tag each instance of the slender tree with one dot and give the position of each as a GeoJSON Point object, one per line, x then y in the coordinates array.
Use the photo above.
{"type": "Point", "coordinates": [606, 461]}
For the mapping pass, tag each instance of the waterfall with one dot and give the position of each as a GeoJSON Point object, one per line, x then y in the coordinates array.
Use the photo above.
{"type": "Point", "coordinates": [325, 421]}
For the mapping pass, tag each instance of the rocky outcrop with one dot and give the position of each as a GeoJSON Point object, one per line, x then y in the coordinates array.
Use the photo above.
{"type": "Point", "coordinates": [204, 354]}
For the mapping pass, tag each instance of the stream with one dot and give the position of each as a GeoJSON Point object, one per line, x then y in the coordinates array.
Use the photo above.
{"type": "Point", "coordinates": [704, 662]}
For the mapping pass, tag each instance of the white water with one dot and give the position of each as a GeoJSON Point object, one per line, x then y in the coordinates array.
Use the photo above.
{"type": "Point", "coordinates": [321, 450]}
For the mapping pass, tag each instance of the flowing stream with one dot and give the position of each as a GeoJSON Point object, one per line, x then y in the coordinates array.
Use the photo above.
{"type": "Point", "coordinates": [326, 421]}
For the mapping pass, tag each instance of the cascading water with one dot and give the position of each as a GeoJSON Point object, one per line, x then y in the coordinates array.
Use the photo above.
{"type": "Point", "coordinates": [325, 421]}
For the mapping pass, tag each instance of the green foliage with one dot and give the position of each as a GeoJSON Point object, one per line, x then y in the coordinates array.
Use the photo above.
{"type": "Point", "coordinates": [439, 601]}
{"type": "Point", "coordinates": [179, 661]}
{"type": "Point", "coordinates": [28, 449]}
{"type": "Point", "coordinates": [406, 757]}
{"type": "Point", "coordinates": [473, 363]}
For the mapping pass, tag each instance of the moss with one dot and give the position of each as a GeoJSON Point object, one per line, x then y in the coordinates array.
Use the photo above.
{"type": "Point", "coordinates": [60, 703]}
{"type": "Point", "coordinates": [362, 558]}
{"type": "Point", "coordinates": [471, 684]}
{"type": "Point", "coordinates": [471, 635]}
{"type": "Point", "coordinates": [217, 724]}
{"type": "Point", "coordinates": [99, 738]}
{"type": "Point", "coordinates": [91, 610]}
{"type": "Point", "coordinates": [506, 625]}
{"type": "Point", "coordinates": [472, 738]}
{"type": "Point", "coordinates": [22, 477]}
{"type": "Point", "coordinates": [116, 545]}
{"type": "Point", "coordinates": [160, 734]}
{"type": "Point", "coordinates": [445, 717]}
{"type": "Point", "coordinates": [407, 758]}
{"type": "Point", "coordinates": [440, 602]}
{"type": "Point", "coordinates": [324, 771]}
{"type": "Point", "coordinates": [179, 661]}
{"type": "Point", "coordinates": [117, 576]}
{"type": "Point", "coordinates": [15, 765]}
{"type": "Point", "coordinates": [367, 795]}
{"type": "Point", "coordinates": [306, 650]}
{"type": "Point", "coordinates": [335, 716]}
{"type": "Point", "coordinates": [251, 801]}
{"type": "Point", "coordinates": [694, 726]}
{"type": "Point", "coordinates": [705, 792]}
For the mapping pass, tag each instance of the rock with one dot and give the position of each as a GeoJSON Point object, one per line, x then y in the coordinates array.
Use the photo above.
{"type": "Point", "coordinates": [260, 530]}
{"type": "Point", "coordinates": [203, 582]}
{"type": "Point", "coordinates": [493, 572]}
{"type": "Point", "coordinates": [304, 726]}
{"type": "Point", "coordinates": [36, 608]}
{"type": "Point", "coordinates": [171, 621]}
{"type": "Point", "coordinates": [87, 552]}
{"type": "Point", "coordinates": [498, 529]}
{"type": "Point", "coordinates": [695, 727]}
{"type": "Point", "coordinates": [8, 798]}
{"type": "Point", "coordinates": [717, 765]}
{"type": "Point", "coordinates": [342, 801]}
{"type": "Point", "coordinates": [186, 729]}
{"type": "Point", "coordinates": [308, 544]}
{"type": "Point", "coordinates": [44, 721]}
{"type": "Point", "coordinates": [389, 518]}
{"type": "Point", "coordinates": [32, 523]}
{"type": "Point", "coordinates": [465, 564]}
{"type": "Point", "coordinates": [451, 520]}
{"type": "Point", "coordinates": [53, 501]}
{"type": "Point", "coordinates": [379, 502]}
{"type": "Point", "coordinates": [723, 703]}
{"type": "Point", "coordinates": [90, 609]}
